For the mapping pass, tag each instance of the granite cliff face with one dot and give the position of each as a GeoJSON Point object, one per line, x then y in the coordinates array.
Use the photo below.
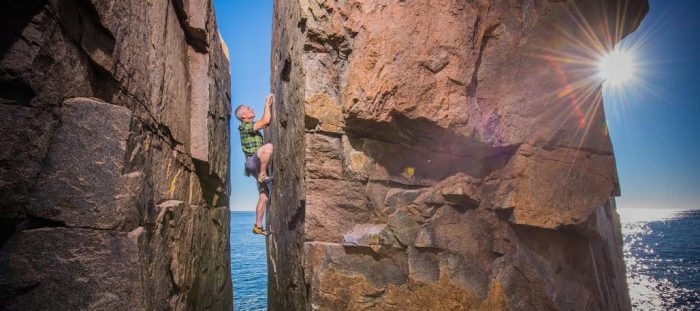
{"type": "Point", "coordinates": [113, 156]}
{"type": "Point", "coordinates": [444, 155]}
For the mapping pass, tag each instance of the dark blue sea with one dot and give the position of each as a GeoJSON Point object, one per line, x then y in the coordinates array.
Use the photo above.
{"type": "Point", "coordinates": [248, 264]}
{"type": "Point", "coordinates": [662, 252]}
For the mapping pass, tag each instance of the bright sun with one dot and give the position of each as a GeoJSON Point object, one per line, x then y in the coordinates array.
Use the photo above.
{"type": "Point", "coordinates": [617, 68]}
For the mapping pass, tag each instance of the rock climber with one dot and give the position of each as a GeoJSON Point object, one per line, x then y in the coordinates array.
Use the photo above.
{"type": "Point", "coordinates": [257, 154]}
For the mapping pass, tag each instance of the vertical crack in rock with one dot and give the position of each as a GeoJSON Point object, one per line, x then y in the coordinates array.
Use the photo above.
{"type": "Point", "coordinates": [107, 203]}
{"type": "Point", "coordinates": [391, 193]}
{"type": "Point", "coordinates": [488, 34]}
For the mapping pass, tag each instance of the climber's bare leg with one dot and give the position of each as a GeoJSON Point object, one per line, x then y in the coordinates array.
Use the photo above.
{"type": "Point", "coordinates": [260, 208]}
{"type": "Point", "coordinates": [264, 154]}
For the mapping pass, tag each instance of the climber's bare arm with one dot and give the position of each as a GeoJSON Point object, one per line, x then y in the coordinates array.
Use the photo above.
{"type": "Point", "coordinates": [266, 117]}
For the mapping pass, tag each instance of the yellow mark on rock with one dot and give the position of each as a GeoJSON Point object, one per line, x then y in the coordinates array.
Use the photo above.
{"type": "Point", "coordinates": [173, 182]}
{"type": "Point", "coordinates": [215, 200]}
{"type": "Point", "coordinates": [409, 171]}
{"type": "Point", "coordinates": [146, 143]}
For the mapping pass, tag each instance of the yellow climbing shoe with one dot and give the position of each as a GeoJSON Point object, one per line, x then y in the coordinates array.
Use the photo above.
{"type": "Point", "coordinates": [259, 230]}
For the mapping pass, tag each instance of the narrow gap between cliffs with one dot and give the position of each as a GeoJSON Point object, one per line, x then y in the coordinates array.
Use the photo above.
{"type": "Point", "coordinates": [246, 27]}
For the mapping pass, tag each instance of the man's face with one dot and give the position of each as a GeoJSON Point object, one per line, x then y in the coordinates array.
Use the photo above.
{"type": "Point", "coordinates": [251, 113]}
{"type": "Point", "coordinates": [247, 113]}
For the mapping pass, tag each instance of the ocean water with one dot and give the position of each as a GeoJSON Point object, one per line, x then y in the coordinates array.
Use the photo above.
{"type": "Point", "coordinates": [248, 264]}
{"type": "Point", "coordinates": [662, 254]}
{"type": "Point", "coordinates": [661, 247]}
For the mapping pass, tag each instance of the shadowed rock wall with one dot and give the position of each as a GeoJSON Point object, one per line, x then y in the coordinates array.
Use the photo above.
{"type": "Point", "coordinates": [444, 155]}
{"type": "Point", "coordinates": [113, 156]}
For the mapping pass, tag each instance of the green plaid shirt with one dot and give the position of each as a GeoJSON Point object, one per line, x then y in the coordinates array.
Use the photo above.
{"type": "Point", "coordinates": [251, 139]}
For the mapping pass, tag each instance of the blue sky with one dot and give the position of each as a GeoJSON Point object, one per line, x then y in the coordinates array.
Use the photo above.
{"type": "Point", "coordinates": [654, 127]}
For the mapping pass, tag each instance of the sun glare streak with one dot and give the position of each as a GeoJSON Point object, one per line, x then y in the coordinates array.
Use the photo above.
{"type": "Point", "coordinates": [597, 68]}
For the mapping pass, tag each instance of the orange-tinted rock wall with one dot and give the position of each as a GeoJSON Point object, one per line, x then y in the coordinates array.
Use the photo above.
{"type": "Point", "coordinates": [444, 155]}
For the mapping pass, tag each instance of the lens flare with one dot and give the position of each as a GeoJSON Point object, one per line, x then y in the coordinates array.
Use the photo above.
{"type": "Point", "coordinates": [590, 61]}
{"type": "Point", "coordinates": [617, 68]}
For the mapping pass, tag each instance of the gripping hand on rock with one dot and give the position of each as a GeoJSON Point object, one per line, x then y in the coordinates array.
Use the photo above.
{"type": "Point", "coordinates": [269, 100]}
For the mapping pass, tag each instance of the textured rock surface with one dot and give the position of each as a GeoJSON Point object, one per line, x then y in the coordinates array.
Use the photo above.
{"type": "Point", "coordinates": [113, 156]}
{"type": "Point", "coordinates": [444, 155]}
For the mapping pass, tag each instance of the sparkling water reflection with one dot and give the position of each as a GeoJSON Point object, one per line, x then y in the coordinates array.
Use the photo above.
{"type": "Point", "coordinates": [662, 256]}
